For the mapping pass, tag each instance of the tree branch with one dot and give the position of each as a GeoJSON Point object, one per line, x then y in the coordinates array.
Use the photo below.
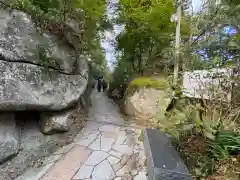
{"type": "Point", "coordinates": [208, 27]}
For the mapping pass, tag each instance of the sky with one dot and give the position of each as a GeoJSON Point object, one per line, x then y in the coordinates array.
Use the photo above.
{"type": "Point", "coordinates": [107, 43]}
{"type": "Point", "coordinates": [196, 5]}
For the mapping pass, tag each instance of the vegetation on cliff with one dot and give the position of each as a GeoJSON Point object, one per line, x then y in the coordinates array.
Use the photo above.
{"type": "Point", "coordinates": [77, 23]}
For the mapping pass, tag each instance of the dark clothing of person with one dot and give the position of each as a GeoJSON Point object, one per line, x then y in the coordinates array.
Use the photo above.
{"type": "Point", "coordinates": [100, 85]}
{"type": "Point", "coordinates": [105, 85]}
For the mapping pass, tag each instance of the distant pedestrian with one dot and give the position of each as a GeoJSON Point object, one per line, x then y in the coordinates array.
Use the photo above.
{"type": "Point", "coordinates": [100, 84]}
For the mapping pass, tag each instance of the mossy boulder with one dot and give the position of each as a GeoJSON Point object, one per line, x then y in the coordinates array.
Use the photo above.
{"type": "Point", "coordinates": [146, 97]}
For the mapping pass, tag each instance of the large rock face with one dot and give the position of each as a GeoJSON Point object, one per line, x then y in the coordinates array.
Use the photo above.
{"type": "Point", "coordinates": [145, 103]}
{"type": "Point", "coordinates": [24, 84]}
{"type": "Point", "coordinates": [9, 137]}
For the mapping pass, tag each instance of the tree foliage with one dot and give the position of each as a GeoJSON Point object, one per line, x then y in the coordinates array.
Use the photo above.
{"type": "Point", "coordinates": [215, 36]}
{"type": "Point", "coordinates": [147, 31]}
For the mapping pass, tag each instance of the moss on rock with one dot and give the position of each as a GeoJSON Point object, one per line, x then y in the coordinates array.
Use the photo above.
{"type": "Point", "coordinates": [147, 82]}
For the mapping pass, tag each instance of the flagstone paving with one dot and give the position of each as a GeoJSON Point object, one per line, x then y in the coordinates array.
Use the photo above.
{"type": "Point", "coordinates": [103, 150]}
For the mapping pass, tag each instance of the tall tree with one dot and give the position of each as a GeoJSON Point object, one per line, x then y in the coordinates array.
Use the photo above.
{"type": "Point", "coordinates": [147, 30]}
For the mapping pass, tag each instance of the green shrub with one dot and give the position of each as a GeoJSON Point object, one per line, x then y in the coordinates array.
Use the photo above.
{"type": "Point", "coordinates": [224, 144]}
{"type": "Point", "coordinates": [183, 119]}
{"type": "Point", "coordinates": [203, 145]}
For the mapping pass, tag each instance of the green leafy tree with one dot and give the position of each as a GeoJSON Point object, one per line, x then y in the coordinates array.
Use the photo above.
{"type": "Point", "coordinates": [147, 30]}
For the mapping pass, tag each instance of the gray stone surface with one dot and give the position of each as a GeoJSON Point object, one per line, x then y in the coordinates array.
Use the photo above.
{"type": "Point", "coordinates": [84, 172]}
{"type": "Point", "coordinates": [91, 125]}
{"type": "Point", "coordinates": [96, 157]}
{"type": "Point", "coordinates": [124, 149]}
{"type": "Point", "coordinates": [96, 145]}
{"type": "Point", "coordinates": [109, 128]}
{"type": "Point", "coordinates": [9, 136]}
{"type": "Point", "coordinates": [86, 140]}
{"type": "Point", "coordinates": [163, 161]}
{"type": "Point", "coordinates": [103, 171]}
{"type": "Point", "coordinates": [106, 143]}
{"type": "Point", "coordinates": [113, 160]}
{"type": "Point", "coordinates": [51, 123]}
{"type": "Point", "coordinates": [26, 86]}
{"type": "Point", "coordinates": [115, 153]}
{"type": "Point", "coordinates": [87, 132]}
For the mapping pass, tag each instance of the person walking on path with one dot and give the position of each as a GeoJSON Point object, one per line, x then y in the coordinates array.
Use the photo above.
{"type": "Point", "coordinates": [100, 84]}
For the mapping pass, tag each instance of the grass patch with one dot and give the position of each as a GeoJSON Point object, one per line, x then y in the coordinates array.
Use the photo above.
{"type": "Point", "coordinates": [147, 82]}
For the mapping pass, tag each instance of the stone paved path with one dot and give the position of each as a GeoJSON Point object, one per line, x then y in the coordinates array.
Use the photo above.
{"type": "Point", "coordinates": [106, 149]}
